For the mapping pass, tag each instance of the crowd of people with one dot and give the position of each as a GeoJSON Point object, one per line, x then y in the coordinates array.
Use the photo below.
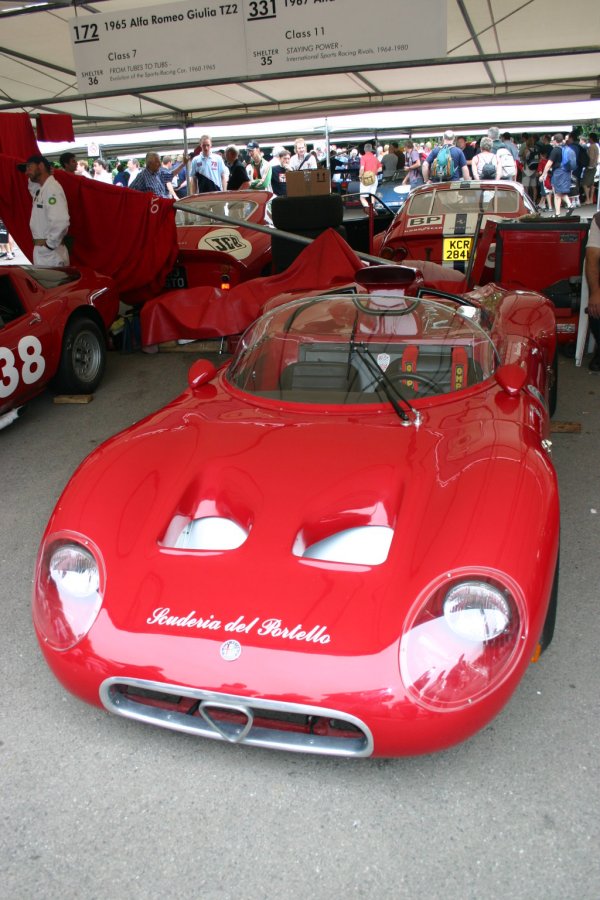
{"type": "Point", "coordinates": [555, 170]}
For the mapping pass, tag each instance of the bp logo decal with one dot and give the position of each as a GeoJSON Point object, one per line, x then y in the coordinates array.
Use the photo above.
{"type": "Point", "coordinates": [51, 201]}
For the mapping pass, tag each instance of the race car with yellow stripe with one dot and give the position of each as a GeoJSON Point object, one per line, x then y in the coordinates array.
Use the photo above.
{"type": "Point", "coordinates": [440, 222]}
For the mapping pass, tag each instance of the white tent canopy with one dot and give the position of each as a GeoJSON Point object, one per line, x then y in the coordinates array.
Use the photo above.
{"type": "Point", "coordinates": [498, 51]}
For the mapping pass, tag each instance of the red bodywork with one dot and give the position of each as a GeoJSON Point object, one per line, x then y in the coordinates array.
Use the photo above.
{"type": "Point", "coordinates": [218, 254]}
{"type": "Point", "coordinates": [267, 642]}
{"type": "Point", "coordinates": [437, 220]}
{"type": "Point", "coordinates": [36, 304]}
{"type": "Point", "coordinates": [513, 247]}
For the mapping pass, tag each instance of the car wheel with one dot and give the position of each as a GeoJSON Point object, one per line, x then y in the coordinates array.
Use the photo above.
{"type": "Point", "coordinates": [553, 393]}
{"type": "Point", "coordinates": [548, 629]}
{"type": "Point", "coordinates": [82, 359]}
{"type": "Point", "coordinates": [320, 211]}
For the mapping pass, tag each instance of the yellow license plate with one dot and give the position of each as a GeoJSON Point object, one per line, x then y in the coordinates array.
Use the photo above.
{"type": "Point", "coordinates": [457, 248]}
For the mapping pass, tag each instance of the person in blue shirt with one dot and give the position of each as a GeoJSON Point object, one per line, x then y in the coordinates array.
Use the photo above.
{"type": "Point", "coordinates": [461, 169]}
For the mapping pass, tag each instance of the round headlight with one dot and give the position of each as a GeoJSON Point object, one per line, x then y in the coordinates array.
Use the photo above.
{"type": "Point", "coordinates": [476, 611]}
{"type": "Point", "coordinates": [462, 641]}
{"type": "Point", "coordinates": [74, 571]}
{"type": "Point", "coordinates": [68, 593]}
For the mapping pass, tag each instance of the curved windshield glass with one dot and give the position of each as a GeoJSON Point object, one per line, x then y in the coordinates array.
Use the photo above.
{"type": "Point", "coordinates": [197, 210]}
{"type": "Point", "coordinates": [467, 199]}
{"type": "Point", "coordinates": [363, 348]}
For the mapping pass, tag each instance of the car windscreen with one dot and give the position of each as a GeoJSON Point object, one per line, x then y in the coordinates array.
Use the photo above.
{"type": "Point", "coordinates": [197, 211]}
{"type": "Point", "coordinates": [448, 201]}
{"type": "Point", "coordinates": [349, 349]}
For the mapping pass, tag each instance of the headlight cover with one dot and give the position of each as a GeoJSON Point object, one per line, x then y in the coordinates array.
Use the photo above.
{"type": "Point", "coordinates": [68, 592]}
{"type": "Point", "coordinates": [461, 642]}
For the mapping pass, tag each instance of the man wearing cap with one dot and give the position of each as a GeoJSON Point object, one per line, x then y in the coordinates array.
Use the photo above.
{"type": "Point", "coordinates": [49, 220]}
{"type": "Point", "coordinates": [208, 172]}
{"type": "Point", "coordinates": [238, 177]}
{"type": "Point", "coordinates": [258, 169]}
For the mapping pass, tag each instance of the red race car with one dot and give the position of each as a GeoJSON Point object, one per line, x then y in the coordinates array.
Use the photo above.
{"type": "Point", "coordinates": [217, 253]}
{"type": "Point", "coordinates": [345, 542]}
{"type": "Point", "coordinates": [52, 326]}
{"type": "Point", "coordinates": [439, 222]}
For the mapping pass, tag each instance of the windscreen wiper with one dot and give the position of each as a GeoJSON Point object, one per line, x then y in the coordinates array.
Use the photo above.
{"type": "Point", "coordinates": [386, 385]}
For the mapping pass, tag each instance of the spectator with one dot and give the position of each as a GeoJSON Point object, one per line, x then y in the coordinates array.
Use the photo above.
{"type": "Point", "coordinates": [83, 168]}
{"type": "Point", "coordinates": [413, 165]}
{"type": "Point", "coordinates": [469, 150]}
{"type": "Point", "coordinates": [485, 164]}
{"type": "Point", "coordinates": [133, 167]}
{"type": "Point", "coordinates": [238, 177]}
{"type": "Point", "coordinates": [208, 171]}
{"type": "Point", "coordinates": [544, 182]}
{"type": "Point", "coordinates": [590, 170]}
{"type": "Point", "coordinates": [301, 158]}
{"type": "Point", "coordinates": [592, 274]}
{"type": "Point", "coordinates": [353, 164]}
{"type": "Point", "coordinates": [505, 154]}
{"type": "Point", "coordinates": [510, 145]}
{"type": "Point", "coordinates": [458, 167]}
{"type": "Point", "coordinates": [367, 175]}
{"type": "Point", "coordinates": [121, 179]}
{"type": "Point", "coordinates": [560, 177]}
{"type": "Point", "coordinates": [7, 245]}
{"type": "Point", "coordinates": [180, 179]}
{"type": "Point", "coordinates": [149, 180]}
{"type": "Point", "coordinates": [572, 141]}
{"type": "Point", "coordinates": [395, 148]}
{"type": "Point", "coordinates": [68, 162]}
{"type": "Point", "coordinates": [50, 219]}
{"type": "Point", "coordinates": [258, 169]}
{"type": "Point", "coordinates": [389, 162]}
{"type": "Point", "coordinates": [168, 172]}
{"type": "Point", "coordinates": [530, 156]}
{"type": "Point", "coordinates": [101, 172]}
{"type": "Point", "coordinates": [279, 172]}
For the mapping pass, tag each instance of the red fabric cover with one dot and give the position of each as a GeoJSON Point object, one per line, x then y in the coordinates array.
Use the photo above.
{"type": "Point", "coordinates": [207, 312]}
{"type": "Point", "coordinates": [438, 277]}
{"type": "Point", "coordinates": [54, 127]}
{"type": "Point", "coordinates": [128, 235]}
{"type": "Point", "coordinates": [17, 137]}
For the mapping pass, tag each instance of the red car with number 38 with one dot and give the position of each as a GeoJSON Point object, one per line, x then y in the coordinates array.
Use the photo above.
{"type": "Point", "coordinates": [344, 542]}
{"type": "Point", "coordinates": [53, 326]}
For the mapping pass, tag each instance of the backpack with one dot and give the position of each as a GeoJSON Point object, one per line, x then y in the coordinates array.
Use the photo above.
{"type": "Point", "coordinates": [569, 160]}
{"type": "Point", "coordinates": [442, 167]}
{"type": "Point", "coordinates": [488, 169]}
{"type": "Point", "coordinates": [507, 162]}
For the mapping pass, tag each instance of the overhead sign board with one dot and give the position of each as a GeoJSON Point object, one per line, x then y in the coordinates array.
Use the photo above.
{"type": "Point", "coordinates": [184, 42]}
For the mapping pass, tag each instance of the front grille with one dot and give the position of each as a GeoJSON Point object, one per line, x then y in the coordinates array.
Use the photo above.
{"type": "Point", "coordinates": [238, 720]}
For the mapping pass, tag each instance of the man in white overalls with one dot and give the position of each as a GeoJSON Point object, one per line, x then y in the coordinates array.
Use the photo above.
{"type": "Point", "coordinates": [49, 220]}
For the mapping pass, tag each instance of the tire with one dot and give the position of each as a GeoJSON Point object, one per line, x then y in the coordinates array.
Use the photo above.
{"type": "Point", "coordinates": [553, 393]}
{"type": "Point", "coordinates": [548, 629]}
{"type": "Point", "coordinates": [307, 213]}
{"type": "Point", "coordinates": [82, 358]}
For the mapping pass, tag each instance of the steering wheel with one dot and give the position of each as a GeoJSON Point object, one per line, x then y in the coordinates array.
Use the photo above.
{"type": "Point", "coordinates": [433, 386]}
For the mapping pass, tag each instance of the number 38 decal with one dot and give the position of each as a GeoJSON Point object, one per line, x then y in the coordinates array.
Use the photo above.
{"type": "Point", "coordinates": [29, 350]}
